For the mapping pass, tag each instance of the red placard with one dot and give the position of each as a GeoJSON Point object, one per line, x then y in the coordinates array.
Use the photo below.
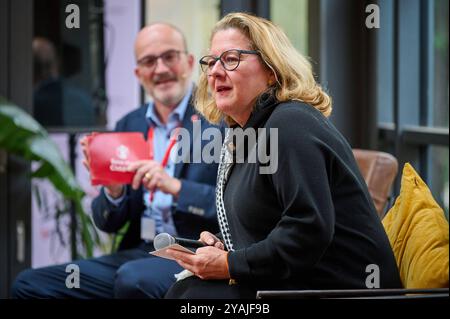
{"type": "Point", "coordinates": [111, 153]}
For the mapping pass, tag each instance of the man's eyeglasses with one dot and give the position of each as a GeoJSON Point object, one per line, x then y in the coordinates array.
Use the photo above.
{"type": "Point", "coordinates": [229, 59]}
{"type": "Point", "coordinates": [169, 58]}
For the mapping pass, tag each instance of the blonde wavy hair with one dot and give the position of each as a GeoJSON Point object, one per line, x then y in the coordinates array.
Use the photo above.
{"type": "Point", "coordinates": [292, 71]}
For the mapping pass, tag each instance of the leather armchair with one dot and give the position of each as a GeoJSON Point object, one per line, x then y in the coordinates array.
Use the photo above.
{"type": "Point", "coordinates": [379, 170]}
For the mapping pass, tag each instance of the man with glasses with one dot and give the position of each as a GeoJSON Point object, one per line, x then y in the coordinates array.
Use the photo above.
{"type": "Point", "coordinates": [176, 198]}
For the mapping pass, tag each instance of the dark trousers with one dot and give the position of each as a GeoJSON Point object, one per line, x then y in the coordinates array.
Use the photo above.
{"type": "Point", "coordinates": [130, 273]}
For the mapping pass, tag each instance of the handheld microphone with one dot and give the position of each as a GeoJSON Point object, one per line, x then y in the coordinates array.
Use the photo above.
{"type": "Point", "coordinates": [164, 239]}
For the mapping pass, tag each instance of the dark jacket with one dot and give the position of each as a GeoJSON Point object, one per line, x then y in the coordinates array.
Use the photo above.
{"type": "Point", "coordinates": [312, 223]}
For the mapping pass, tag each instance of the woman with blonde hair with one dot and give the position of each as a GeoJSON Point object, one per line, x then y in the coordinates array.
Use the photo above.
{"type": "Point", "coordinates": [308, 224]}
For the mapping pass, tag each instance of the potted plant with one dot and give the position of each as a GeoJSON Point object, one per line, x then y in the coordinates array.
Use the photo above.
{"type": "Point", "coordinates": [22, 135]}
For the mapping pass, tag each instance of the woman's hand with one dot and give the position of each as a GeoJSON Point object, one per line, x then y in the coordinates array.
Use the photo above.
{"type": "Point", "coordinates": [211, 240]}
{"type": "Point", "coordinates": [208, 262]}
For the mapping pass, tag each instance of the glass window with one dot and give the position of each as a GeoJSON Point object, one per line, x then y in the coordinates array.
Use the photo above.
{"type": "Point", "coordinates": [292, 16]}
{"type": "Point", "coordinates": [440, 56]}
{"type": "Point", "coordinates": [438, 156]}
{"type": "Point", "coordinates": [385, 63]}
{"type": "Point", "coordinates": [68, 64]}
{"type": "Point", "coordinates": [423, 88]}
{"type": "Point", "coordinates": [439, 176]}
{"type": "Point", "coordinates": [195, 18]}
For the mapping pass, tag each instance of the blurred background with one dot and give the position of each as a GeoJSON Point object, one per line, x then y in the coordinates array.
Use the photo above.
{"type": "Point", "coordinates": [389, 84]}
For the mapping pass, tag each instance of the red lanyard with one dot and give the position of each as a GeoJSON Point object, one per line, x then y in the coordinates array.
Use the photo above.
{"type": "Point", "coordinates": [173, 140]}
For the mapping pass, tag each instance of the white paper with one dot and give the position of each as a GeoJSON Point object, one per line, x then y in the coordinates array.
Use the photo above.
{"type": "Point", "coordinates": [183, 275]}
{"type": "Point", "coordinates": [163, 251]}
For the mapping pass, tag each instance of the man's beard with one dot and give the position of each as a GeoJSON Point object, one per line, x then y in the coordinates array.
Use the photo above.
{"type": "Point", "coordinates": [169, 98]}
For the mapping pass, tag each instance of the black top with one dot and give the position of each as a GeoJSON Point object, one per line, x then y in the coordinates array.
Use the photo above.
{"type": "Point", "coordinates": [312, 223]}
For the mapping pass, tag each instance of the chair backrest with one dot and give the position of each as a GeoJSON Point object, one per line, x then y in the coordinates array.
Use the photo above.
{"type": "Point", "coordinates": [378, 170]}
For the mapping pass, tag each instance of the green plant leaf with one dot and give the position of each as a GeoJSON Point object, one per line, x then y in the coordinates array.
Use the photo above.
{"type": "Point", "coordinates": [22, 135]}
{"type": "Point", "coordinates": [118, 237]}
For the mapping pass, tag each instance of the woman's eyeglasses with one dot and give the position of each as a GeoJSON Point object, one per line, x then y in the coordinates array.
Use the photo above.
{"type": "Point", "coordinates": [229, 59]}
{"type": "Point", "coordinates": [169, 58]}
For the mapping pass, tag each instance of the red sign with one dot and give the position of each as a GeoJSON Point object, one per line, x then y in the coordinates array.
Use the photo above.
{"type": "Point", "coordinates": [111, 153]}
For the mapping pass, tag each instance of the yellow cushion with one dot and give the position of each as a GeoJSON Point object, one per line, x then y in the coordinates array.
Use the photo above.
{"type": "Point", "coordinates": [418, 233]}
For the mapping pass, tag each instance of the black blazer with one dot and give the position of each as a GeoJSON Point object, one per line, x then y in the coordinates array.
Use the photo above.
{"type": "Point", "coordinates": [311, 224]}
